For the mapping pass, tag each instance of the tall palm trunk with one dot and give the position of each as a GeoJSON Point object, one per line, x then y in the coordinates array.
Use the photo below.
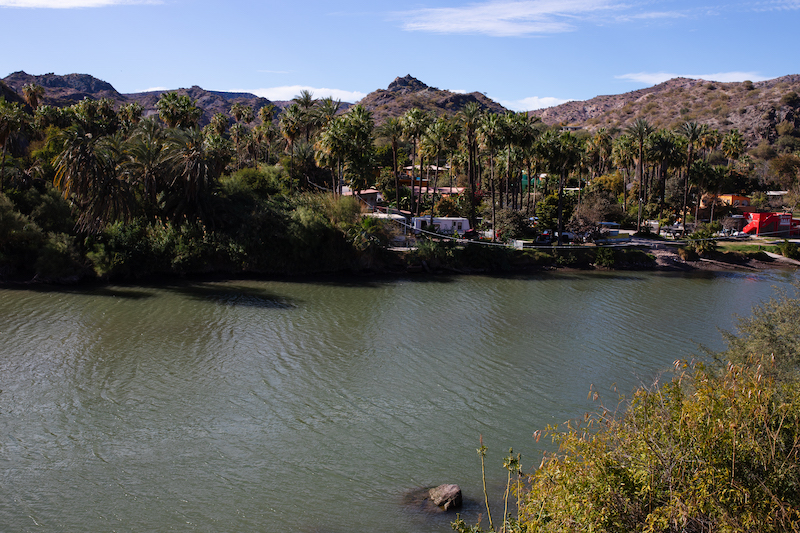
{"type": "Point", "coordinates": [396, 176]}
{"type": "Point", "coordinates": [494, 206]}
{"type": "Point", "coordinates": [686, 187]}
{"type": "Point", "coordinates": [471, 171]}
{"type": "Point", "coordinates": [562, 178]}
{"type": "Point", "coordinates": [419, 196]}
{"type": "Point", "coordinates": [3, 169]}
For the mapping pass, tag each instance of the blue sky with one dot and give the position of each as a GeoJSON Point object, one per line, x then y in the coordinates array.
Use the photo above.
{"type": "Point", "coordinates": [524, 54]}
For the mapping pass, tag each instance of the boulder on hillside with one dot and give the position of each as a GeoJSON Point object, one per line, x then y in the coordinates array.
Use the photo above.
{"type": "Point", "coordinates": [406, 84]}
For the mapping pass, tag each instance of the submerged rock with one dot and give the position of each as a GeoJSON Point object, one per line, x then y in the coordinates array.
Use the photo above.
{"type": "Point", "coordinates": [446, 496]}
{"type": "Point", "coordinates": [434, 500]}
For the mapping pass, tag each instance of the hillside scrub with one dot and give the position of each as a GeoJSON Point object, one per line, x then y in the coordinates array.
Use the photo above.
{"type": "Point", "coordinates": [708, 447]}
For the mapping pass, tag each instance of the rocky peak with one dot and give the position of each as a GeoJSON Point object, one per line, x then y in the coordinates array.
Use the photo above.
{"type": "Point", "coordinates": [82, 83]}
{"type": "Point", "coordinates": [407, 84]}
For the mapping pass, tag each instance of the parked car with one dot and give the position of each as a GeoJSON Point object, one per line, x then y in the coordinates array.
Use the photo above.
{"type": "Point", "coordinates": [567, 237]}
{"type": "Point", "coordinates": [546, 237]}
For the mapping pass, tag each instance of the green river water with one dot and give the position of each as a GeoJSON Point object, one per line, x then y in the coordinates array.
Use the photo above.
{"type": "Point", "coordinates": [314, 406]}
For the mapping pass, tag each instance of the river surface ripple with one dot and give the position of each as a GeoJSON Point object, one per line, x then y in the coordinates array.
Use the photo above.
{"type": "Point", "coordinates": [314, 406]}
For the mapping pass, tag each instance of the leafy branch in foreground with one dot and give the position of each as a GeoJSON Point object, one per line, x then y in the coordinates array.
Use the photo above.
{"type": "Point", "coordinates": [706, 451]}
{"type": "Point", "coordinates": [714, 448]}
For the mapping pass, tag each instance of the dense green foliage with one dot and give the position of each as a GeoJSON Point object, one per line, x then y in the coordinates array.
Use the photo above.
{"type": "Point", "coordinates": [87, 181]}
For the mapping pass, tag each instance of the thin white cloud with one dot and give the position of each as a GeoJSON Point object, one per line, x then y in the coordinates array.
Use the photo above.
{"type": "Point", "coordinates": [777, 5]}
{"type": "Point", "coordinates": [70, 4]}
{"type": "Point", "coordinates": [654, 78]}
{"type": "Point", "coordinates": [288, 92]}
{"type": "Point", "coordinates": [656, 15]}
{"type": "Point", "coordinates": [154, 89]}
{"type": "Point", "coordinates": [503, 18]}
{"type": "Point", "coordinates": [532, 103]}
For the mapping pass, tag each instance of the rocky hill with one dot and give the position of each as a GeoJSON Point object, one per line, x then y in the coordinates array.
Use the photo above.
{"type": "Point", "coordinates": [10, 95]}
{"type": "Point", "coordinates": [765, 110]}
{"type": "Point", "coordinates": [755, 109]}
{"type": "Point", "coordinates": [401, 95]}
{"type": "Point", "coordinates": [211, 102]}
{"type": "Point", "coordinates": [65, 90]}
{"type": "Point", "coordinates": [408, 92]}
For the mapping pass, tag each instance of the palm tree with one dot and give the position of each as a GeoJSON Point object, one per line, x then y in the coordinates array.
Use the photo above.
{"type": "Point", "coordinates": [194, 168]}
{"type": "Point", "coordinates": [326, 110]}
{"type": "Point", "coordinates": [664, 152]}
{"type": "Point", "coordinates": [470, 117]}
{"type": "Point", "coordinates": [219, 123]}
{"type": "Point", "coordinates": [331, 147]}
{"type": "Point", "coordinates": [709, 141]}
{"type": "Point", "coordinates": [266, 134]}
{"type": "Point", "coordinates": [32, 94]}
{"type": "Point", "coordinates": [693, 133]}
{"type": "Point", "coordinates": [359, 156]}
{"type": "Point", "coordinates": [130, 115]}
{"type": "Point", "coordinates": [12, 119]}
{"type": "Point", "coordinates": [306, 103]}
{"type": "Point", "coordinates": [267, 113]}
{"type": "Point", "coordinates": [96, 116]}
{"type": "Point", "coordinates": [714, 180]}
{"type": "Point", "coordinates": [732, 146]}
{"type": "Point", "coordinates": [490, 131]}
{"type": "Point", "coordinates": [623, 154]}
{"type": "Point", "coordinates": [511, 133]}
{"type": "Point", "coordinates": [291, 123]}
{"type": "Point", "coordinates": [562, 153]}
{"type": "Point", "coordinates": [240, 137]}
{"type": "Point", "coordinates": [599, 149]}
{"type": "Point", "coordinates": [434, 141]}
{"type": "Point", "coordinates": [640, 130]}
{"type": "Point", "coordinates": [178, 111]}
{"type": "Point", "coordinates": [87, 173]}
{"type": "Point", "coordinates": [415, 121]}
{"type": "Point", "coordinates": [242, 113]}
{"type": "Point", "coordinates": [392, 130]}
{"type": "Point", "coordinates": [529, 134]}
{"type": "Point", "coordinates": [146, 161]}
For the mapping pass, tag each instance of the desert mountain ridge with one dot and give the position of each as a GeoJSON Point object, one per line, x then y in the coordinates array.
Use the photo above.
{"type": "Point", "coordinates": [755, 108]}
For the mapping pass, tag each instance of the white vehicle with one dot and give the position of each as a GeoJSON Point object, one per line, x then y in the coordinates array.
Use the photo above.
{"type": "Point", "coordinates": [445, 225]}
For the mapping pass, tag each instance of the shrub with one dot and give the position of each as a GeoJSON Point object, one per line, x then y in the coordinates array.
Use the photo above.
{"type": "Point", "coordinates": [772, 329]}
{"type": "Point", "coordinates": [264, 181]}
{"type": "Point", "coordinates": [702, 241]}
{"type": "Point", "coordinates": [434, 252]}
{"type": "Point", "coordinates": [687, 253]}
{"type": "Point", "coordinates": [605, 257]}
{"type": "Point", "coordinates": [789, 249]}
{"type": "Point", "coordinates": [511, 224]}
{"type": "Point", "coordinates": [342, 211]}
{"type": "Point", "coordinates": [703, 452]}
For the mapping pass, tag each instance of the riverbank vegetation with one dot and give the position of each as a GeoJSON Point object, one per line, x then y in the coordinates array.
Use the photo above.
{"type": "Point", "coordinates": [708, 447]}
{"type": "Point", "coordinates": [97, 191]}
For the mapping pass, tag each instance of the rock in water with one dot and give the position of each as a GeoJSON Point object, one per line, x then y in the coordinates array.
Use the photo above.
{"type": "Point", "coordinates": [446, 496]}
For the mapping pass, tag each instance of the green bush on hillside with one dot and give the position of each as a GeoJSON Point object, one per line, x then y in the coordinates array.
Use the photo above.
{"type": "Point", "coordinates": [789, 249]}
